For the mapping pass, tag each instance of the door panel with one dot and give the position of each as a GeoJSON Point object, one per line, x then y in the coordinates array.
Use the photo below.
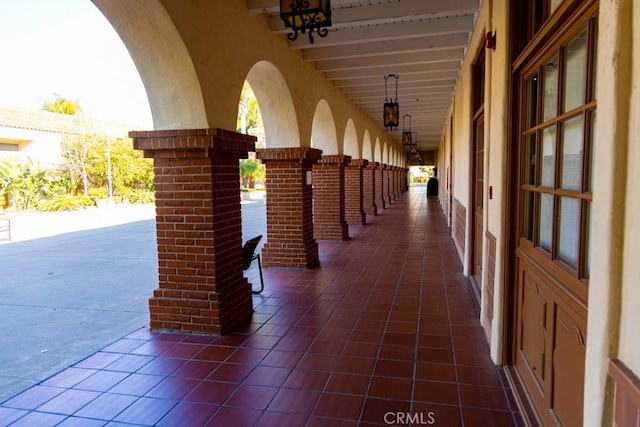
{"type": "Point", "coordinates": [557, 112]}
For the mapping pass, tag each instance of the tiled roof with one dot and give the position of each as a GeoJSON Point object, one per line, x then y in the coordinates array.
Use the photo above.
{"type": "Point", "coordinates": [58, 123]}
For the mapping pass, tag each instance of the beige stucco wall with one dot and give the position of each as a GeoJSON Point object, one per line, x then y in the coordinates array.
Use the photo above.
{"type": "Point", "coordinates": [41, 147]}
{"type": "Point", "coordinates": [215, 45]}
{"type": "Point", "coordinates": [614, 295]}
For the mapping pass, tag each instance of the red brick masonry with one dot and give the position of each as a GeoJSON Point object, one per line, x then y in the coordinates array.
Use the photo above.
{"type": "Point", "coordinates": [199, 230]}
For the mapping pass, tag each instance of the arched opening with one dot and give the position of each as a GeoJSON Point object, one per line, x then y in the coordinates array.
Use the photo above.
{"type": "Point", "coordinates": [323, 129]}
{"type": "Point", "coordinates": [276, 105]}
{"type": "Point", "coordinates": [350, 141]}
{"type": "Point", "coordinates": [367, 148]}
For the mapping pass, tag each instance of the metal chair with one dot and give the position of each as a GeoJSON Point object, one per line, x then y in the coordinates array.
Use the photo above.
{"type": "Point", "coordinates": [248, 255]}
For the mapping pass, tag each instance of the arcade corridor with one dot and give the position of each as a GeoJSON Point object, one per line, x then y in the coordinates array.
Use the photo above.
{"type": "Point", "coordinates": [384, 330]}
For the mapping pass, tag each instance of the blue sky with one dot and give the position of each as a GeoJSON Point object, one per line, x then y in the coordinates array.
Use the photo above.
{"type": "Point", "coordinates": [68, 47]}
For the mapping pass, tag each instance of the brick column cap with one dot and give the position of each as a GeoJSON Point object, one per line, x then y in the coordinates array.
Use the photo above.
{"type": "Point", "coordinates": [372, 165]}
{"type": "Point", "coordinates": [192, 139]}
{"type": "Point", "coordinates": [335, 158]}
{"type": "Point", "coordinates": [289, 153]}
{"type": "Point", "coordinates": [359, 162]}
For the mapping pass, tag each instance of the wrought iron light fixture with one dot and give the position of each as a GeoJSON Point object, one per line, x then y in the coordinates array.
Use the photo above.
{"type": "Point", "coordinates": [391, 112]}
{"type": "Point", "coordinates": [406, 133]}
{"type": "Point", "coordinates": [306, 15]}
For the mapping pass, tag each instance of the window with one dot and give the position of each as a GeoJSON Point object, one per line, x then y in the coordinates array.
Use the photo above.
{"type": "Point", "coordinates": [559, 120]}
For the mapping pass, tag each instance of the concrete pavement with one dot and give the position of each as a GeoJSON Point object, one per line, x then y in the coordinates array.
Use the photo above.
{"type": "Point", "coordinates": [73, 282]}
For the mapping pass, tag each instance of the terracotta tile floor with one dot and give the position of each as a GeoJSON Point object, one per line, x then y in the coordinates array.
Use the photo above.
{"type": "Point", "coordinates": [384, 333]}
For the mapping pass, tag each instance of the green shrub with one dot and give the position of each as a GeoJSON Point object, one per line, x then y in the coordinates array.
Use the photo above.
{"type": "Point", "coordinates": [136, 195]}
{"type": "Point", "coordinates": [66, 202]}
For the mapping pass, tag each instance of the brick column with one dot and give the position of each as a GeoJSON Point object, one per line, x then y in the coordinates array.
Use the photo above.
{"type": "Point", "coordinates": [328, 198]}
{"type": "Point", "coordinates": [290, 241]}
{"type": "Point", "coordinates": [392, 184]}
{"type": "Point", "coordinates": [396, 181]}
{"type": "Point", "coordinates": [354, 192]}
{"type": "Point", "coordinates": [381, 187]}
{"type": "Point", "coordinates": [369, 189]}
{"type": "Point", "coordinates": [199, 229]}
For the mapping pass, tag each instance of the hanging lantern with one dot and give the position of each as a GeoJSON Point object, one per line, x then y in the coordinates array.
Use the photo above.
{"type": "Point", "coordinates": [306, 15]}
{"type": "Point", "coordinates": [391, 112]}
{"type": "Point", "coordinates": [406, 133]}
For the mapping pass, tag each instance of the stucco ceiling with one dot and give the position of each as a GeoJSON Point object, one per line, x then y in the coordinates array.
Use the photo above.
{"type": "Point", "coordinates": [422, 41]}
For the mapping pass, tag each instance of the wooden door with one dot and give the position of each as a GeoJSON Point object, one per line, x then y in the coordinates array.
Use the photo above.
{"type": "Point", "coordinates": [477, 183]}
{"type": "Point", "coordinates": [557, 112]}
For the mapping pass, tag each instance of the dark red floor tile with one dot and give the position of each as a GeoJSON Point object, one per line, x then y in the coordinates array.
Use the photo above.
{"type": "Point", "coordinates": [161, 366]}
{"type": "Point", "coordinates": [442, 415]}
{"type": "Point", "coordinates": [39, 419]}
{"type": "Point", "coordinates": [173, 388]}
{"type": "Point", "coordinates": [124, 345]}
{"type": "Point", "coordinates": [137, 384]}
{"type": "Point", "coordinates": [239, 417]}
{"type": "Point", "coordinates": [384, 412]}
{"type": "Point", "coordinates": [436, 392]}
{"type": "Point", "coordinates": [214, 353]}
{"type": "Point", "coordinates": [436, 372]}
{"type": "Point", "coordinates": [442, 342]}
{"type": "Point", "coordinates": [326, 347]}
{"type": "Point", "coordinates": [98, 360]}
{"type": "Point", "coordinates": [146, 411]}
{"type": "Point", "coordinates": [9, 415]}
{"type": "Point", "coordinates": [252, 396]}
{"type": "Point", "coordinates": [355, 365]}
{"type": "Point", "coordinates": [373, 337]}
{"type": "Point", "coordinates": [472, 358]}
{"type": "Point", "coordinates": [101, 381]}
{"type": "Point", "coordinates": [435, 355]}
{"type": "Point", "coordinates": [266, 342]}
{"type": "Point", "coordinates": [342, 406]}
{"type": "Point", "coordinates": [474, 375]}
{"type": "Point", "coordinates": [397, 352]}
{"type": "Point", "coordinates": [278, 419]}
{"type": "Point", "coordinates": [188, 414]}
{"type": "Point", "coordinates": [69, 377]}
{"type": "Point", "coordinates": [347, 383]}
{"type": "Point", "coordinates": [268, 375]}
{"type": "Point", "coordinates": [153, 348]}
{"type": "Point", "coordinates": [309, 380]}
{"type": "Point", "coordinates": [231, 372]}
{"type": "Point", "coordinates": [106, 406]}
{"type": "Point", "coordinates": [391, 388]}
{"type": "Point", "coordinates": [328, 422]}
{"type": "Point", "coordinates": [394, 368]}
{"type": "Point", "coordinates": [282, 359]}
{"type": "Point", "coordinates": [318, 362]}
{"type": "Point", "coordinates": [247, 355]}
{"type": "Point", "coordinates": [473, 416]}
{"type": "Point", "coordinates": [273, 330]}
{"type": "Point", "coordinates": [294, 401]}
{"type": "Point", "coordinates": [81, 422]}
{"type": "Point", "coordinates": [483, 397]}
{"type": "Point", "coordinates": [188, 351]}
{"type": "Point", "coordinates": [129, 363]}
{"type": "Point", "coordinates": [361, 349]}
{"type": "Point", "coordinates": [399, 339]}
{"type": "Point", "coordinates": [198, 369]}
{"type": "Point", "coordinates": [211, 392]}
{"type": "Point", "coordinates": [33, 397]}
{"type": "Point", "coordinates": [68, 402]}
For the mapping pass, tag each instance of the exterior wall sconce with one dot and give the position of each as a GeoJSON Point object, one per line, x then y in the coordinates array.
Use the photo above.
{"type": "Point", "coordinates": [391, 112]}
{"type": "Point", "coordinates": [306, 15]}
{"type": "Point", "coordinates": [407, 135]}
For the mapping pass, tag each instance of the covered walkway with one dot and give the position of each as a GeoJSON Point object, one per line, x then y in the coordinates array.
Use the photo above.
{"type": "Point", "coordinates": [383, 332]}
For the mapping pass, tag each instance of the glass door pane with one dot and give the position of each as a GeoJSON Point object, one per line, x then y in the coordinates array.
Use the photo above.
{"type": "Point", "coordinates": [550, 89]}
{"type": "Point", "coordinates": [575, 74]}
{"type": "Point", "coordinates": [572, 143]}
{"type": "Point", "coordinates": [569, 231]}
{"type": "Point", "coordinates": [548, 157]}
{"type": "Point", "coordinates": [545, 232]}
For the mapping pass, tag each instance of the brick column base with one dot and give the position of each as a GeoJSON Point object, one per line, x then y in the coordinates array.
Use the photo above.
{"type": "Point", "coordinates": [199, 229]}
{"type": "Point", "coordinates": [290, 241]}
{"type": "Point", "coordinates": [354, 193]}
{"type": "Point", "coordinates": [369, 189]}
{"type": "Point", "coordinates": [328, 198]}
